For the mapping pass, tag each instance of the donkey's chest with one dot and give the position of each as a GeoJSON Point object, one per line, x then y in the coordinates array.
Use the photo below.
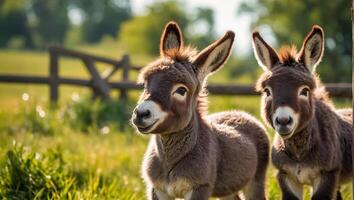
{"type": "Point", "coordinates": [175, 183]}
{"type": "Point", "coordinates": [303, 174]}
{"type": "Point", "coordinates": [177, 188]}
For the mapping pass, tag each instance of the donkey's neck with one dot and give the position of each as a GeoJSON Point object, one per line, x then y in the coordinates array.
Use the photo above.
{"type": "Point", "coordinates": [300, 143]}
{"type": "Point", "coordinates": [174, 146]}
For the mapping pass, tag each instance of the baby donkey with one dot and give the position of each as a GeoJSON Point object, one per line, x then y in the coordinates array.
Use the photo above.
{"type": "Point", "coordinates": [314, 140]}
{"type": "Point", "coordinates": [192, 155]}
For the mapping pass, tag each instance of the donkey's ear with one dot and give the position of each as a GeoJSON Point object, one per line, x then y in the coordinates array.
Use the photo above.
{"type": "Point", "coordinates": [171, 38]}
{"type": "Point", "coordinates": [214, 56]}
{"type": "Point", "coordinates": [312, 49]}
{"type": "Point", "coordinates": [266, 56]}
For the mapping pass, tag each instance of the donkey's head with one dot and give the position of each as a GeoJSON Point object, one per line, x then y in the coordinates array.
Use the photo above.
{"type": "Point", "coordinates": [288, 82]}
{"type": "Point", "coordinates": [173, 82]}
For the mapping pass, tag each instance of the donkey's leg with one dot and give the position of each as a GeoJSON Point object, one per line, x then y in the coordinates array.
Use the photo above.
{"type": "Point", "coordinates": [339, 195]}
{"type": "Point", "coordinates": [256, 188]}
{"type": "Point", "coordinates": [203, 192]}
{"type": "Point", "coordinates": [290, 188]}
{"type": "Point", "coordinates": [325, 186]}
{"type": "Point", "coordinates": [231, 197]}
{"type": "Point", "coordinates": [150, 193]}
{"type": "Point", "coordinates": [154, 194]}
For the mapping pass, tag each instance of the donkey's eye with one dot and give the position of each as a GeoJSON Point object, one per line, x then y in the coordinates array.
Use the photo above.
{"type": "Point", "coordinates": [267, 92]}
{"type": "Point", "coordinates": [181, 91]}
{"type": "Point", "coordinates": [305, 92]}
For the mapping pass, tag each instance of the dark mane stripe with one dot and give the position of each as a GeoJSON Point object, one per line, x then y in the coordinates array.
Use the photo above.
{"type": "Point", "coordinates": [288, 54]}
{"type": "Point", "coordinates": [182, 54]}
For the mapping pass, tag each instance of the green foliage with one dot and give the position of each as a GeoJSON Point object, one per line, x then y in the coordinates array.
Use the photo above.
{"type": "Point", "coordinates": [142, 33]}
{"type": "Point", "coordinates": [30, 175]}
{"type": "Point", "coordinates": [34, 118]}
{"type": "Point", "coordinates": [103, 17]}
{"type": "Point", "coordinates": [51, 21]}
{"type": "Point", "coordinates": [82, 114]}
{"type": "Point", "coordinates": [85, 115]}
{"type": "Point", "coordinates": [13, 22]}
{"type": "Point", "coordinates": [39, 23]}
{"type": "Point", "coordinates": [291, 20]}
{"type": "Point", "coordinates": [243, 67]}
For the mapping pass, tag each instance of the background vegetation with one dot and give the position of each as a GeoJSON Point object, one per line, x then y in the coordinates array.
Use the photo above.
{"type": "Point", "coordinates": [81, 149]}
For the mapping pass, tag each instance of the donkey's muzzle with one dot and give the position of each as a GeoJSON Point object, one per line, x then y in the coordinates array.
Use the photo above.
{"type": "Point", "coordinates": [284, 125]}
{"type": "Point", "coordinates": [140, 117]}
{"type": "Point", "coordinates": [284, 121]}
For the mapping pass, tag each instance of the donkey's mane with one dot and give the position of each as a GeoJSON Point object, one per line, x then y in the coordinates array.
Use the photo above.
{"type": "Point", "coordinates": [202, 102]}
{"type": "Point", "coordinates": [288, 54]}
{"type": "Point", "coordinates": [183, 54]}
{"type": "Point", "coordinates": [320, 92]}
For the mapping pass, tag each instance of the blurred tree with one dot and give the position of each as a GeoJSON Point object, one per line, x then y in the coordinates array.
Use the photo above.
{"type": "Point", "coordinates": [50, 20]}
{"type": "Point", "coordinates": [291, 20]}
{"type": "Point", "coordinates": [13, 22]}
{"type": "Point", "coordinates": [202, 32]}
{"type": "Point", "coordinates": [102, 17]}
{"type": "Point", "coordinates": [142, 33]}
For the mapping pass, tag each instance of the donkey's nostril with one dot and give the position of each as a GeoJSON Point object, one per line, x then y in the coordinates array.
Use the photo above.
{"type": "Point", "coordinates": [143, 114]}
{"type": "Point", "coordinates": [283, 121]}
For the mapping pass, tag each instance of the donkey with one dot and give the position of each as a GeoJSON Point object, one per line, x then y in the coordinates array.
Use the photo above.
{"type": "Point", "coordinates": [313, 140]}
{"type": "Point", "coordinates": [192, 155]}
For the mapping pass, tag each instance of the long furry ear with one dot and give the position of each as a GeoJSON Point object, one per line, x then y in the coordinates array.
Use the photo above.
{"type": "Point", "coordinates": [214, 56]}
{"type": "Point", "coordinates": [266, 56]}
{"type": "Point", "coordinates": [312, 48]}
{"type": "Point", "coordinates": [171, 38]}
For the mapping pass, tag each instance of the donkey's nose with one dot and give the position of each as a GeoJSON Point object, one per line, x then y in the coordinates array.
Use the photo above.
{"type": "Point", "coordinates": [284, 121]}
{"type": "Point", "coordinates": [143, 114]}
{"type": "Point", "coordinates": [141, 117]}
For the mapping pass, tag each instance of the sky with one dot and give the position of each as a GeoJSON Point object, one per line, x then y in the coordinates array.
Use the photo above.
{"type": "Point", "coordinates": [225, 19]}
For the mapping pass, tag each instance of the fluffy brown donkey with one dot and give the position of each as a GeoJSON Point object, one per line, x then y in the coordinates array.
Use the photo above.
{"type": "Point", "coordinates": [313, 140]}
{"type": "Point", "coordinates": [192, 155]}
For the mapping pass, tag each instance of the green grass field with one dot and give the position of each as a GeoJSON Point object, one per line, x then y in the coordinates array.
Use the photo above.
{"type": "Point", "coordinates": [47, 153]}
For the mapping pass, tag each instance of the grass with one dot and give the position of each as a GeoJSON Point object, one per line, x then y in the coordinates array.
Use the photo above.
{"type": "Point", "coordinates": [79, 150]}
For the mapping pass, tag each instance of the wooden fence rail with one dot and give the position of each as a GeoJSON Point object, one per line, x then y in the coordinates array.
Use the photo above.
{"type": "Point", "coordinates": [101, 84]}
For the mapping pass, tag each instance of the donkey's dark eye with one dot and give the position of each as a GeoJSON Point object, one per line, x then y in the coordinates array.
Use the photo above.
{"type": "Point", "coordinates": [181, 91]}
{"type": "Point", "coordinates": [267, 92]}
{"type": "Point", "coordinates": [305, 92]}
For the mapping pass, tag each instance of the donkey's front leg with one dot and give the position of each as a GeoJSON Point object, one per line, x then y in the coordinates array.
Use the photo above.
{"type": "Point", "coordinates": [203, 192]}
{"type": "Point", "coordinates": [290, 188]}
{"type": "Point", "coordinates": [155, 194]}
{"type": "Point", "coordinates": [325, 186]}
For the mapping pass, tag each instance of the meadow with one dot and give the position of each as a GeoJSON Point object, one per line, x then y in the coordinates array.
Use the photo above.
{"type": "Point", "coordinates": [81, 149]}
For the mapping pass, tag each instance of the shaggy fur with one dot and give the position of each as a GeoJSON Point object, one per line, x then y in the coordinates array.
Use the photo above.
{"type": "Point", "coordinates": [319, 152]}
{"type": "Point", "coordinates": [192, 155]}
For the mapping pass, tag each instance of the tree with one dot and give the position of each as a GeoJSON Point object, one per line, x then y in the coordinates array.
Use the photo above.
{"type": "Point", "coordinates": [291, 20]}
{"type": "Point", "coordinates": [142, 33]}
{"type": "Point", "coordinates": [13, 22]}
{"type": "Point", "coordinates": [204, 17]}
{"type": "Point", "coordinates": [103, 17]}
{"type": "Point", "coordinates": [51, 21]}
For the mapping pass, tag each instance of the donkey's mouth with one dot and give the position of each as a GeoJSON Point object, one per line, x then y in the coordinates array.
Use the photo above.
{"type": "Point", "coordinates": [147, 128]}
{"type": "Point", "coordinates": [285, 132]}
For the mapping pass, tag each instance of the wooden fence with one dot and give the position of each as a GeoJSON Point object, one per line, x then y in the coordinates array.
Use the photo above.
{"type": "Point", "coordinates": [101, 85]}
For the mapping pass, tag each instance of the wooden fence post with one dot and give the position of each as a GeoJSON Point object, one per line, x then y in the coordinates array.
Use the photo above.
{"type": "Point", "coordinates": [99, 85]}
{"type": "Point", "coordinates": [53, 76]}
{"type": "Point", "coordinates": [125, 76]}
